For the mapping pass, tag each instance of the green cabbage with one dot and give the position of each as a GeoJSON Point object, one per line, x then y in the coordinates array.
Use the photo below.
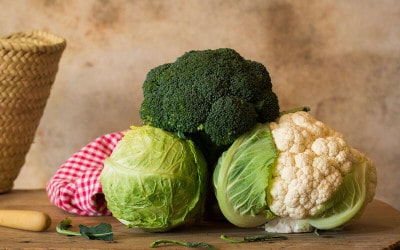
{"type": "Point", "coordinates": [154, 180]}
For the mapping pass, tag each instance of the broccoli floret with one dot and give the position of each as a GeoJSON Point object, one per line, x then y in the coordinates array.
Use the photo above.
{"type": "Point", "coordinates": [216, 92]}
{"type": "Point", "coordinates": [225, 121]}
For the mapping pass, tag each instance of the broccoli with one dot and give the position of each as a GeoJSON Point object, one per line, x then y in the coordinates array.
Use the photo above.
{"type": "Point", "coordinates": [209, 93]}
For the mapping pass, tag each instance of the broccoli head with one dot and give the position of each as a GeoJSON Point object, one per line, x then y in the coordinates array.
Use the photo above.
{"type": "Point", "coordinates": [213, 92]}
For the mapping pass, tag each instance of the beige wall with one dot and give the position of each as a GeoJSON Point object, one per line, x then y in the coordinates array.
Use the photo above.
{"type": "Point", "coordinates": [342, 58]}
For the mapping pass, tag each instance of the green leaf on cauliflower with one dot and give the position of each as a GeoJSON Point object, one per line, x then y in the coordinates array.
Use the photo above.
{"type": "Point", "coordinates": [348, 202]}
{"type": "Point", "coordinates": [242, 175]}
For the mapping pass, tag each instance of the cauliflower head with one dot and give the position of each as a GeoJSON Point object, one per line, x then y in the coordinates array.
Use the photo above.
{"type": "Point", "coordinates": [312, 163]}
{"type": "Point", "coordinates": [294, 174]}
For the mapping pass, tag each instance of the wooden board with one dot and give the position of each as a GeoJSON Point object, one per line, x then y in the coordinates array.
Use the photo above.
{"type": "Point", "coordinates": [378, 228]}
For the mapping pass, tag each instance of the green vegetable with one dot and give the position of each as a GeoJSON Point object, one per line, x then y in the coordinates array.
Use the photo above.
{"type": "Point", "coordinates": [255, 238]}
{"type": "Point", "coordinates": [242, 175]}
{"type": "Point", "coordinates": [294, 110]}
{"type": "Point", "coordinates": [154, 180]}
{"type": "Point", "coordinates": [294, 174]}
{"type": "Point", "coordinates": [216, 93]}
{"type": "Point", "coordinates": [181, 243]}
{"type": "Point", "coordinates": [103, 231]}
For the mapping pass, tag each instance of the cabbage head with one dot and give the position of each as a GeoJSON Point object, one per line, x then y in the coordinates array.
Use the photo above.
{"type": "Point", "coordinates": [154, 180]}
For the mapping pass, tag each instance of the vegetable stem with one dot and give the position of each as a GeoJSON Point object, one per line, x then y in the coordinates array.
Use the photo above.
{"type": "Point", "coordinates": [67, 232]}
{"type": "Point", "coordinates": [304, 108]}
{"type": "Point", "coordinates": [256, 238]}
{"type": "Point", "coordinates": [181, 243]}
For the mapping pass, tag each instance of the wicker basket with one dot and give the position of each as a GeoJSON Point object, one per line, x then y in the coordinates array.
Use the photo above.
{"type": "Point", "coordinates": [28, 66]}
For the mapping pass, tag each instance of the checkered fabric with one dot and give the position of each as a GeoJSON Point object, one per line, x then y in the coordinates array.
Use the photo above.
{"type": "Point", "coordinates": [75, 187]}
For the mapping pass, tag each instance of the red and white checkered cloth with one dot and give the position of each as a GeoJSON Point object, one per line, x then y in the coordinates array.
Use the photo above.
{"type": "Point", "coordinates": [75, 187]}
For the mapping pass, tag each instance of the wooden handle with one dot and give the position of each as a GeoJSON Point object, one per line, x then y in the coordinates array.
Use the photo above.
{"type": "Point", "coordinates": [25, 219]}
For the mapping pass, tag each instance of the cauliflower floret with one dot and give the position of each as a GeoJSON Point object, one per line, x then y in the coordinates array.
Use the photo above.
{"type": "Point", "coordinates": [313, 161]}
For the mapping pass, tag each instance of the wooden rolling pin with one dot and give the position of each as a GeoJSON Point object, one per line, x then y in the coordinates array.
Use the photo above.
{"type": "Point", "coordinates": [25, 219]}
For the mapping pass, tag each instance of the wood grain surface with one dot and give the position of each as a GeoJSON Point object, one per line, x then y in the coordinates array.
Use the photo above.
{"type": "Point", "coordinates": [378, 228]}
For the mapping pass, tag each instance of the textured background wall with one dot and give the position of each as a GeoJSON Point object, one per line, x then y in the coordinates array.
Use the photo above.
{"type": "Point", "coordinates": [342, 58]}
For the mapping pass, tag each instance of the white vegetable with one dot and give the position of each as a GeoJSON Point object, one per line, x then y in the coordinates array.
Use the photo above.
{"type": "Point", "coordinates": [288, 225]}
{"type": "Point", "coordinates": [312, 163]}
{"type": "Point", "coordinates": [296, 174]}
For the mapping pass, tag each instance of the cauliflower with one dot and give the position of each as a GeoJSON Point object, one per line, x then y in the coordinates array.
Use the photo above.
{"type": "Point", "coordinates": [294, 174]}
{"type": "Point", "coordinates": [311, 166]}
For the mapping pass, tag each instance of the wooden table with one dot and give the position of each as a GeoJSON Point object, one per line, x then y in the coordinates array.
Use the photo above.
{"type": "Point", "coordinates": [379, 228]}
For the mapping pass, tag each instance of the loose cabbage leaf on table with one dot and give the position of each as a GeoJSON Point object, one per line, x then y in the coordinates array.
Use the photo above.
{"type": "Point", "coordinates": [102, 231]}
